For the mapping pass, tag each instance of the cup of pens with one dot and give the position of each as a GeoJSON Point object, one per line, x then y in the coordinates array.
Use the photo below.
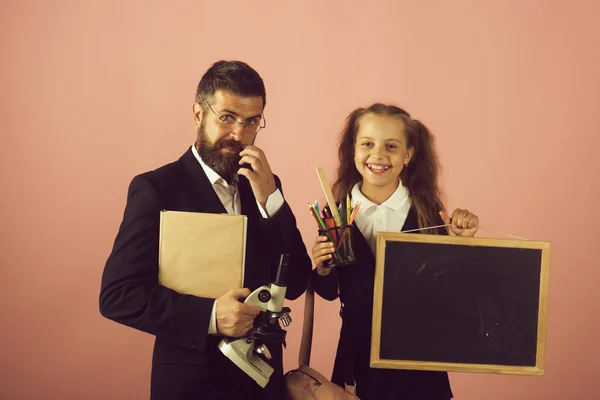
{"type": "Point", "coordinates": [337, 226]}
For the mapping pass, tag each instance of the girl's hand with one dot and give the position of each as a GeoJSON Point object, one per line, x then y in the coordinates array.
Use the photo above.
{"type": "Point", "coordinates": [464, 222]}
{"type": "Point", "coordinates": [322, 251]}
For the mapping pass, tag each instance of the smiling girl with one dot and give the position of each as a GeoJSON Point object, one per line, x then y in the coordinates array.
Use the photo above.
{"type": "Point", "coordinates": [388, 164]}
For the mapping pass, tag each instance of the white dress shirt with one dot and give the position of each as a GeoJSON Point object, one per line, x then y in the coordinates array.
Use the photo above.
{"type": "Point", "coordinates": [229, 196]}
{"type": "Point", "coordinates": [389, 216]}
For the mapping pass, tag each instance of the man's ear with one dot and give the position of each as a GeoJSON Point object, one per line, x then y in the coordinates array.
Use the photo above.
{"type": "Point", "coordinates": [198, 113]}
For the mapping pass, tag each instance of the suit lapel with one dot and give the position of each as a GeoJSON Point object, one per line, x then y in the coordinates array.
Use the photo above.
{"type": "Point", "coordinates": [361, 248]}
{"type": "Point", "coordinates": [200, 187]}
{"type": "Point", "coordinates": [256, 273]}
{"type": "Point", "coordinates": [411, 221]}
{"type": "Point", "coordinates": [247, 198]}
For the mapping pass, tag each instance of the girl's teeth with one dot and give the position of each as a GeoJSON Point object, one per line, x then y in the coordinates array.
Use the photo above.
{"type": "Point", "coordinates": [377, 168]}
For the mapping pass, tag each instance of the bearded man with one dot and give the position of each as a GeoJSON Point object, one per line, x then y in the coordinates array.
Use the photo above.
{"type": "Point", "coordinates": [223, 172]}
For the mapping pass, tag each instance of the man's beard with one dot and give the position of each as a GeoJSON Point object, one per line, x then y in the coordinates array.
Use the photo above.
{"type": "Point", "coordinates": [224, 163]}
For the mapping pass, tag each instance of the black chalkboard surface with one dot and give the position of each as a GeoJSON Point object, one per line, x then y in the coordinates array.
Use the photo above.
{"type": "Point", "coordinates": [460, 304]}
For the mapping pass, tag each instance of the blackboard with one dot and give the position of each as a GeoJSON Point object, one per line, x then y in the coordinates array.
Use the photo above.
{"type": "Point", "coordinates": [447, 303]}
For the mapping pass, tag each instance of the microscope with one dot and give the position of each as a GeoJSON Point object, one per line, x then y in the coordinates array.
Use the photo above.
{"type": "Point", "coordinates": [250, 353]}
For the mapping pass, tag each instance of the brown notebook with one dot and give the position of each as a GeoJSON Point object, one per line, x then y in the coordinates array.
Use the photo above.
{"type": "Point", "coordinates": [201, 254]}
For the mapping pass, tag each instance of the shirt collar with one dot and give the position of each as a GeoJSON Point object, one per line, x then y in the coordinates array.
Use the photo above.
{"type": "Point", "coordinates": [212, 176]}
{"type": "Point", "coordinates": [394, 202]}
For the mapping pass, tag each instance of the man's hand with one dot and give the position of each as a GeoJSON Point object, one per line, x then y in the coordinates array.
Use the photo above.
{"type": "Point", "coordinates": [235, 319]}
{"type": "Point", "coordinates": [261, 178]}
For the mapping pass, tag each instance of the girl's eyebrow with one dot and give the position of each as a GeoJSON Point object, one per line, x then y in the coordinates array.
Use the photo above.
{"type": "Point", "coordinates": [387, 140]}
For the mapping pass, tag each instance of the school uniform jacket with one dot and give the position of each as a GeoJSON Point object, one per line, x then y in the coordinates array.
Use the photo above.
{"type": "Point", "coordinates": [351, 365]}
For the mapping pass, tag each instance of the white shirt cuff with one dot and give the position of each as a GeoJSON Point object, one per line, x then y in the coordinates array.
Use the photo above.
{"type": "Point", "coordinates": [274, 203]}
{"type": "Point", "coordinates": [212, 325]}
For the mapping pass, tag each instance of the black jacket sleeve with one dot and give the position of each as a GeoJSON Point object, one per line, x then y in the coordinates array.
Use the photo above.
{"type": "Point", "coordinates": [130, 293]}
{"type": "Point", "coordinates": [325, 286]}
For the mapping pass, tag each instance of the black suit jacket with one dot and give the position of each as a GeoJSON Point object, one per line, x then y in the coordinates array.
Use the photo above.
{"type": "Point", "coordinates": [186, 361]}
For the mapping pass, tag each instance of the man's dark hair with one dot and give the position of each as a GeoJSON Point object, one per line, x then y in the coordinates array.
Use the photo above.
{"type": "Point", "coordinates": [235, 77]}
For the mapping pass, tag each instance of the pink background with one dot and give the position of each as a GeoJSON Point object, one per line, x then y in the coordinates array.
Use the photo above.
{"type": "Point", "coordinates": [94, 92]}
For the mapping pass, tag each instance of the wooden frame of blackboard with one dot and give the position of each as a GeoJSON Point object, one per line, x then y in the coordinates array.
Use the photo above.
{"type": "Point", "coordinates": [377, 362]}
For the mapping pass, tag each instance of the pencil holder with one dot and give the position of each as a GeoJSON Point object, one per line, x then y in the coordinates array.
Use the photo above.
{"type": "Point", "coordinates": [341, 236]}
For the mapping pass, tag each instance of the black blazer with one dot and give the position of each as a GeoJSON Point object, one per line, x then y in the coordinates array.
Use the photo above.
{"type": "Point", "coordinates": [356, 283]}
{"type": "Point", "coordinates": [186, 360]}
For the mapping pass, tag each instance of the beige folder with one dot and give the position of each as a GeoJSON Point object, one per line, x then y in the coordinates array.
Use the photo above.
{"type": "Point", "coordinates": [202, 254]}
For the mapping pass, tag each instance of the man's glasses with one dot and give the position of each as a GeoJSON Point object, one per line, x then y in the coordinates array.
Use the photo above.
{"type": "Point", "coordinates": [253, 125]}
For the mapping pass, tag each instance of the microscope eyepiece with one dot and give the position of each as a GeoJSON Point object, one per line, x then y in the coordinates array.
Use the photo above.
{"type": "Point", "coordinates": [282, 270]}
